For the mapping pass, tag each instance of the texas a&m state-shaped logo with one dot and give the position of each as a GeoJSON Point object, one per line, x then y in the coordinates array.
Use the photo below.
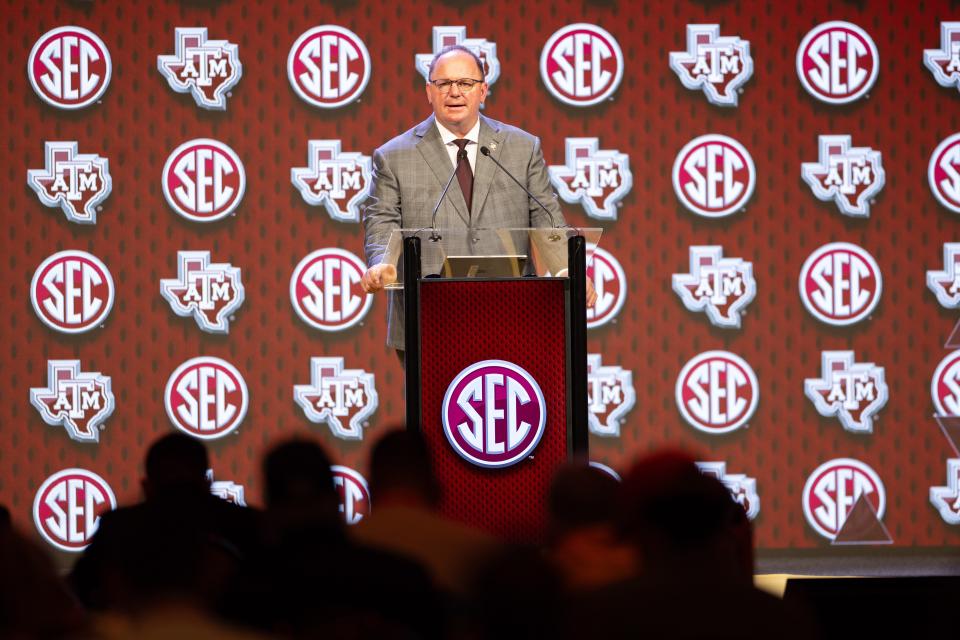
{"type": "Point", "coordinates": [611, 396]}
{"type": "Point", "coordinates": [743, 488]}
{"type": "Point", "coordinates": [596, 178]}
{"type": "Point", "coordinates": [840, 284]}
{"type": "Point", "coordinates": [72, 291]}
{"type": "Point", "coordinates": [336, 179]}
{"type": "Point", "coordinates": [353, 493]}
{"type": "Point", "coordinates": [78, 183]}
{"type": "Point", "coordinates": [944, 63]}
{"type": "Point", "coordinates": [204, 180]}
{"type": "Point", "coordinates": [206, 398]}
{"type": "Point", "coordinates": [328, 66]}
{"type": "Point", "coordinates": [444, 37]}
{"type": "Point", "coordinates": [722, 287]}
{"type": "Point", "coordinates": [610, 283]}
{"type": "Point", "coordinates": [68, 506]}
{"type": "Point", "coordinates": [833, 489]}
{"type": "Point", "coordinates": [227, 490]}
{"type": "Point", "coordinates": [837, 62]}
{"type": "Point", "coordinates": [850, 176]}
{"type": "Point", "coordinates": [849, 390]}
{"type": "Point", "coordinates": [943, 173]}
{"type": "Point", "coordinates": [581, 64]}
{"type": "Point", "coordinates": [946, 284]}
{"type": "Point", "coordinates": [343, 399]}
{"type": "Point", "coordinates": [946, 499]}
{"type": "Point", "coordinates": [717, 392]}
{"type": "Point", "coordinates": [79, 401]}
{"type": "Point", "coordinates": [207, 69]}
{"type": "Point", "coordinates": [326, 292]}
{"type": "Point", "coordinates": [69, 67]}
{"type": "Point", "coordinates": [719, 65]}
{"type": "Point", "coordinates": [210, 292]}
{"type": "Point", "coordinates": [494, 414]}
{"type": "Point", "coordinates": [714, 176]}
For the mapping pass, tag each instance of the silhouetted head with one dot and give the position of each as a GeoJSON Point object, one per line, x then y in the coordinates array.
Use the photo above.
{"type": "Point", "coordinates": [176, 464]}
{"type": "Point", "coordinates": [400, 469]}
{"type": "Point", "coordinates": [297, 472]}
{"type": "Point", "coordinates": [582, 496]}
{"type": "Point", "coordinates": [4, 517]}
{"type": "Point", "coordinates": [678, 517]}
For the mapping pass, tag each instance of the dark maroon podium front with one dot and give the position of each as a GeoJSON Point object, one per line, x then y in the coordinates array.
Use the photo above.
{"type": "Point", "coordinates": [496, 379]}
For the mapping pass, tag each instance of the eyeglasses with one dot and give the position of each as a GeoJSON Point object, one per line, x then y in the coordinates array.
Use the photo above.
{"type": "Point", "coordinates": [465, 85]}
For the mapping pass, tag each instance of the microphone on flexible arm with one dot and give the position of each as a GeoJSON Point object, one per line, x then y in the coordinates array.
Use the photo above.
{"type": "Point", "coordinates": [485, 151]}
{"type": "Point", "coordinates": [434, 236]}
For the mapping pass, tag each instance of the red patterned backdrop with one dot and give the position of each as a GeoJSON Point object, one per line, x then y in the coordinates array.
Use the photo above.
{"type": "Point", "coordinates": [140, 120]}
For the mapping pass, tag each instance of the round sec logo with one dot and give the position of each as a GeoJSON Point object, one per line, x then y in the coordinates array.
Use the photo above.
{"type": "Point", "coordinates": [837, 62]}
{"type": "Point", "coordinates": [717, 392]}
{"type": "Point", "coordinates": [944, 173]}
{"type": "Point", "coordinates": [203, 180]}
{"type": "Point", "coordinates": [610, 283]}
{"type": "Point", "coordinates": [68, 506]}
{"type": "Point", "coordinates": [353, 493]}
{"type": "Point", "coordinates": [72, 291]}
{"type": "Point", "coordinates": [840, 284]}
{"type": "Point", "coordinates": [494, 414]}
{"type": "Point", "coordinates": [329, 66]}
{"type": "Point", "coordinates": [833, 489]}
{"type": "Point", "coordinates": [581, 64]}
{"type": "Point", "coordinates": [714, 176]}
{"type": "Point", "coordinates": [206, 398]}
{"type": "Point", "coordinates": [945, 386]}
{"type": "Point", "coordinates": [69, 67]}
{"type": "Point", "coordinates": [326, 292]}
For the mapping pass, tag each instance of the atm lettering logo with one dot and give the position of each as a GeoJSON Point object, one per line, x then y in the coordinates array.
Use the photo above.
{"type": "Point", "coordinates": [208, 291]}
{"type": "Point", "coordinates": [944, 63]}
{"type": "Point", "coordinates": [206, 69]}
{"type": "Point", "coordinates": [721, 287]}
{"type": "Point", "coordinates": [337, 180]}
{"type": "Point", "coordinates": [596, 178]}
{"type": "Point", "coordinates": [851, 391]}
{"type": "Point", "coordinates": [849, 176]}
{"type": "Point", "coordinates": [717, 65]}
{"type": "Point", "coordinates": [79, 401]}
{"type": "Point", "coordinates": [343, 399]}
{"type": "Point", "coordinates": [76, 182]}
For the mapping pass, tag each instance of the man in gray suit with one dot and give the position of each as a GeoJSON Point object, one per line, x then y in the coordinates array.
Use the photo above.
{"type": "Point", "coordinates": [410, 171]}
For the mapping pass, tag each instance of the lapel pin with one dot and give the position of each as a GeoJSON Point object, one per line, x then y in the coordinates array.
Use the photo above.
{"type": "Point", "coordinates": [493, 146]}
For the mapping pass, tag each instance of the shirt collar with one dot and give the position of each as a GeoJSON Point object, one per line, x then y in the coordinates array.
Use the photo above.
{"type": "Point", "coordinates": [448, 136]}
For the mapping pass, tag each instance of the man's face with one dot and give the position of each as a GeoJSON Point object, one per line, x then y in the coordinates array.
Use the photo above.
{"type": "Point", "coordinates": [455, 110]}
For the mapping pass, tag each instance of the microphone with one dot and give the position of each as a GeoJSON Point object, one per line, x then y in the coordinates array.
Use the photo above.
{"type": "Point", "coordinates": [485, 151]}
{"type": "Point", "coordinates": [434, 236]}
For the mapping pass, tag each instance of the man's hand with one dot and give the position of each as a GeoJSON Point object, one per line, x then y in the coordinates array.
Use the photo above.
{"type": "Point", "coordinates": [379, 276]}
{"type": "Point", "coordinates": [591, 294]}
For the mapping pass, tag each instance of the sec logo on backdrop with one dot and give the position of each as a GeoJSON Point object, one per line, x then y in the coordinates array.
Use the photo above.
{"type": "Point", "coordinates": [581, 65]}
{"type": "Point", "coordinates": [328, 66]}
{"type": "Point", "coordinates": [945, 386]}
{"type": "Point", "coordinates": [76, 182]}
{"type": "Point", "coordinates": [69, 67]}
{"type": "Point", "coordinates": [72, 291]}
{"type": "Point", "coordinates": [834, 488]}
{"type": "Point", "coordinates": [206, 397]}
{"type": "Point", "coordinates": [353, 493]}
{"type": "Point", "coordinates": [68, 506]}
{"type": "Point", "coordinates": [204, 180]}
{"type": "Point", "coordinates": [326, 292]}
{"type": "Point", "coordinates": [943, 173]}
{"type": "Point", "coordinates": [494, 414]}
{"type": "Point", "coordinates": [717, 392]}
{"type": "Point", "coordinates": [610, 283]}
{"type": "Point", "coordinates": [837, 62]}
{"type": "Point", "coordinates": [714, 176]}
{"type": "Point", "coordinates": [840, 284]}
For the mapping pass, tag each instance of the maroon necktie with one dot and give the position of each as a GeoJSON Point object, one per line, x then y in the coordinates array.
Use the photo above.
{"type": "Point", "coordinates": [464, 173]}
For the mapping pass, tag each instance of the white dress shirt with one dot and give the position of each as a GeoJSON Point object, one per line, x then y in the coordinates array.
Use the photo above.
{"type": "Point", "coordinates": [473, 136]}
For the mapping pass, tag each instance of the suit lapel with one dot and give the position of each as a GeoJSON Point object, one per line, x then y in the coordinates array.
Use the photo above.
{"type": "Point", "coordinates": [433, 152]}
{"type": "Point", "coordinates": [491, 138]}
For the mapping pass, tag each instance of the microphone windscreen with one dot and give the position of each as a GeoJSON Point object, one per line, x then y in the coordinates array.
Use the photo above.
{"type": "Point", "coordinates": [485, 151]}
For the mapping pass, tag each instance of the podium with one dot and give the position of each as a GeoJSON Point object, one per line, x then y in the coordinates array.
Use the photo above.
{"type": "Point", "coordinates": [496, 365]}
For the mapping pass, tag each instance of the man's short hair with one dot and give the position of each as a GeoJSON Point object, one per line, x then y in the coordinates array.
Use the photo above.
{"type": "Point", "coordinates": [451, 49]}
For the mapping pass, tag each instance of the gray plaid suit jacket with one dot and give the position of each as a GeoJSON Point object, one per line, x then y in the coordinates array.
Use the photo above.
{"type": "Point", "coordinates": [409, 173]}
